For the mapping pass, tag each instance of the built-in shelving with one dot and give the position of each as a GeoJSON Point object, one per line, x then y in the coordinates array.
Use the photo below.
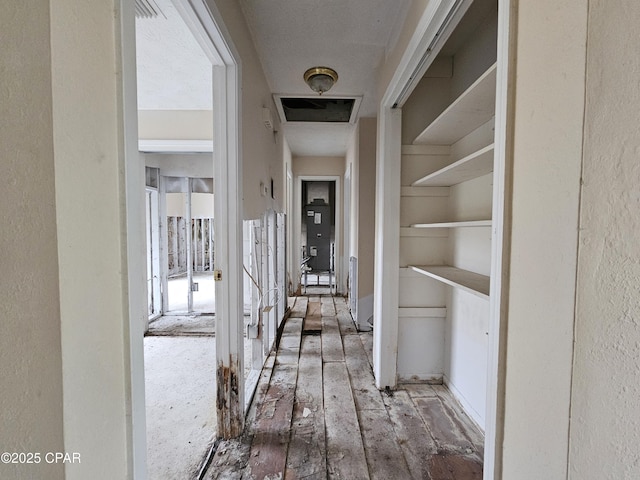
{"type": "Point", "coordinates": [473, 108]}
{"type": "Point", "coordinates": [472, 166]}
{"type": "Point", "coordinates": [470, 223]}
{"type": "Point", "coordinates": [469, 281]}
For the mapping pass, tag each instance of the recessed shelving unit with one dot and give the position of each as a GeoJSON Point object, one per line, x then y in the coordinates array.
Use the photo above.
{"type": "Point", "coordinates": [475, 106]}
{"type": "Point", "coordinates": [446, 214]}
{"type": "Point", "coordinates": [469, 281]}
{"type": "Point", "coordinates": [472, 166]}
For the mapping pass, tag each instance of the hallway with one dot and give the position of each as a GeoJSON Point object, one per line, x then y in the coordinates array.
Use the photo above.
{"type": "Point", "coordinates": [317, 413]}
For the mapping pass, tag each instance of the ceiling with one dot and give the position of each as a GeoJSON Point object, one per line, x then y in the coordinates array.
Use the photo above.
{"type": "Point", "coordinates": [351, 36]}
{"type": "Point", "coordinates": [173, 71]}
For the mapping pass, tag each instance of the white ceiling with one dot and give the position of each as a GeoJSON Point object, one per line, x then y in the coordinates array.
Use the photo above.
{"type": "Point", "coordinates": [350, 36]}
{"type": "Point", "coordinates": [173, 71]}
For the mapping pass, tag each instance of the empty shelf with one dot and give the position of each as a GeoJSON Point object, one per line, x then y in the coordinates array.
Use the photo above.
{"type": "Point", "coordinates": [472, 166]}
{"type": "Point", "coordinates": [471, 223]}
{"type": "Point", "coordinates": [473, 108]}
{"type": "Point", "coordinates": [471, 282]}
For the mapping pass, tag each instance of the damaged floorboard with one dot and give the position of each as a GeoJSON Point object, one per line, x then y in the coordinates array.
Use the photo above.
{"type": "Point", "coordinates": [317, 414]}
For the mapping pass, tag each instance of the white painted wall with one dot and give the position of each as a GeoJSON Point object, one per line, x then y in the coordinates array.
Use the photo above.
{"type": "Point", "coordinates": [31, 409]}
{"type": "Point", "coordinates": [261, 148]}
{"type": "Point", "coordinates": [605, 425]}
{"type": "Point", "coordinates": [91, 220]}
{"type": "Point", "coordinates": [195, 165]}
{"type": "Point", "coordinates": [548, 106]}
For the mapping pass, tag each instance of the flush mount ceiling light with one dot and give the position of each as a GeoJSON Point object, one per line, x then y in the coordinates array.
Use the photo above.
{"type": "Point", "coordinates": [320, 79]}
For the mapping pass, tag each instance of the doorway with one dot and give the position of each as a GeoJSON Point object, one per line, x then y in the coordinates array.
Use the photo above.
{"type": "Point", "coordinates": [317, 242]}
{"type": "Point", "coordinates": [146, 205]}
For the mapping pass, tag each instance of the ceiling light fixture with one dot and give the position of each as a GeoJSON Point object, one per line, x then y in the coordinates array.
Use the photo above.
{"type": "Point", "coordinates": [320, 79]}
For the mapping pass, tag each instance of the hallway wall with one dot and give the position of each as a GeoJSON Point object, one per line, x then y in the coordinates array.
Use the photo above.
{"type": "Point", "coordinates": [30, 351]}
{"type": "Point", "coordinates": [261, 148]}
{"type": "Point", "coordinates": [605, 427]}
{"type": "Point", "coordinates": [366, 216]}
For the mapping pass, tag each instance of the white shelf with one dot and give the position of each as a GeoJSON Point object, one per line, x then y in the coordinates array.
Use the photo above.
{"type": "Point", "coordinates": [473, 108]}
{"type": "Point", "coordinates": [471, 223]}
{"type": "Point", "coordinates": [468, 281]}
{"type": "Point", "coordinates": [423, 232]}
{"type": "Point", "coordinates": [472, 166]}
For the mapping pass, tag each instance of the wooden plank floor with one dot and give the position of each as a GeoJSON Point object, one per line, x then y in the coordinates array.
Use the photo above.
{"type": "Point", "coordinates": [318, 415]}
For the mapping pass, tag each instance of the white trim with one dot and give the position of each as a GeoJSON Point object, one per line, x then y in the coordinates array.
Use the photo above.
{"type": "Point", "coordinates": [297, 226]}
{"type": "Point", "coordinates": [387, 248]}
{"type": "Point", "coordinates": [134, 177]}
{"type": "Point", "coordinates": [500, 243]}
{"type": "Point", "coordinates": [205, 21]}
{"type": "Point", "coordinates": [175, 146]}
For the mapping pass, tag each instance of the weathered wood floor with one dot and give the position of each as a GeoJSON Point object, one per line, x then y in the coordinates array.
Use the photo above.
{"type": "Point", "coordinates": [318, 415]}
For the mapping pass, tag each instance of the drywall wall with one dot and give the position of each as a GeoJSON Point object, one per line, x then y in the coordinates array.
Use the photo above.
{"type": "Point", "coordinates": [201, 205]}
{"type": "Point", "coordinates": [31, 411]}
{"type": "Point", "coordinates": [195, 165]}
{"type": "Point", "coordinates": [90, 208]}
{"type": "Point", "coordinates": [366, 214]}
{"type": "Point", "coordinates": [547, 101]}
{"type": "Point", "coordinates": [175, 124]}
{"type": "Point", "coordinates": [261, 148]}
{"type": "Point", "coordinates": [605, 425]}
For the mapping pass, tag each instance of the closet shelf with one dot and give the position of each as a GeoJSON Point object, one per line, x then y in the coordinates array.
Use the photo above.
{"type": "Point", "coordinates": [468, 281]}
{"type": "Point", "coordinates": [470, 223]}
{"type": "Point", "coordinates": [472, 166]}
{"type": "Point", "coordinates": [474, 107]}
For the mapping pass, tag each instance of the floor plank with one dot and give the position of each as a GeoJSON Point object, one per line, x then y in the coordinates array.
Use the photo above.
{"type": "Point", "coordinates": [328, 309]}
{"type": "Point", "coordinates": [446, 431]}
{"type": "Point", "coordinates": [300, 307]}
{"type": "Point", "coordinates": [307, 448]}
{"type": "Point", "coordinates": [384, 456]}
{"type": "Point", "coordinates": [345, 322]}
{"type": "Point", "coordinates": [313, 319]}
{"type": "Point", "coordinates": [367, 343]}
{"type": "Point", "coordinates": [412, 435]}
{"type": "Point", "coordinates": [289, 348]}
{"type": "Point", "coordinates": [345, 451]}
{"type": "Point", "coordinates": [332, 350]}
{"type": "Point", "coordinates": [454, 467]}
{"type": "Point", "coordinates": [365, 393]}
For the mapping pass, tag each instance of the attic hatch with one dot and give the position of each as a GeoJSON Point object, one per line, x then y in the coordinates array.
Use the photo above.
{"type": "Point", "coordinates": [317, 109]}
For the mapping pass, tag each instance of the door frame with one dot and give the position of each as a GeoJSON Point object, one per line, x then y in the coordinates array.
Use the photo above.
{"type": "Point", "coordinates": [206, 23]}
{"type": "Point", "coordinates": [297, 227]}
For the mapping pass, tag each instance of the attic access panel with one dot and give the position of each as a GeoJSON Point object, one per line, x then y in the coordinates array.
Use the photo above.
{"type": "Point", "coordinates": [317, 109]}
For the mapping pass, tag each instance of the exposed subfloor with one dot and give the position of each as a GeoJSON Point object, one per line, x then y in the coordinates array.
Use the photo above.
{"type": "Point", "coordinates": [317, 413]}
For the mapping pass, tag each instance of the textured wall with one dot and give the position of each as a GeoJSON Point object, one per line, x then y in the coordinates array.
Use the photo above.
{"type": "Point", "coordinates": [30, 352]}
{"type": "Point", "coordinates": [605, 426]}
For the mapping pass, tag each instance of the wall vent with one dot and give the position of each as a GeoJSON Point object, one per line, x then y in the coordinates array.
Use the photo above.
{"type": "Point", "coordinates": [147, 9]}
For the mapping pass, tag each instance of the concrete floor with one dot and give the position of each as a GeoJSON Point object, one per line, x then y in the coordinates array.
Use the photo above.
{"type": "Point", "coordinates": [180, 397]}
{"type": "Point", "coordinates": [203, 299]}
{"type": "Point", "coordinates": [180, 390]}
